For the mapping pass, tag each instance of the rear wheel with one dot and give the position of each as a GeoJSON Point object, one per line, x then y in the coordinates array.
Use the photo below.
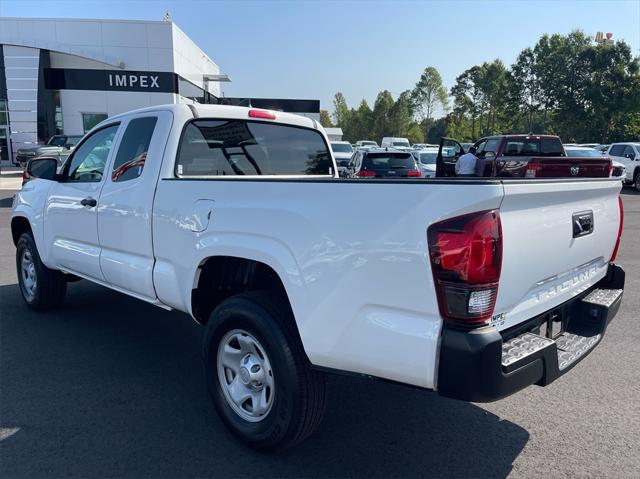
{"type": "Point", "coordinates": [257, 374]}
{"type": "Point", "coordinates": [636, 180]}
{"type": "Point", "coordinates": [42, 288]}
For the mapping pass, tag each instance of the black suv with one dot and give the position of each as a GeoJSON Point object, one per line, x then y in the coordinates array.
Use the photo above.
{"type": "Point", "coordinates": [382, 163]}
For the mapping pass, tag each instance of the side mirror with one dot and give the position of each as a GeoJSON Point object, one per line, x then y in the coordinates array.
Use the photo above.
{"type": "Point", "coordinates": [45, 168]}
{"type": "Point", "coordinates": [630, 156]}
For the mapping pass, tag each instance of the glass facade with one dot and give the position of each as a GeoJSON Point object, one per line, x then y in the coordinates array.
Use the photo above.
{"type": "Point", "coordinates": [89, 120]}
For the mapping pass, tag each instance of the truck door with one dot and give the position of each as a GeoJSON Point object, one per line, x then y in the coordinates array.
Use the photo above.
{"type": "Point", "coordinates": [71, 214]}
{"type": "Point", "coordinates": [448, 154]}
{"type": "Point", "coordinates": [126, 201]}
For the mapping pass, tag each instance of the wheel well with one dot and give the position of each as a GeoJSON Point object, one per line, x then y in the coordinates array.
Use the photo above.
{"type": "Point", "coordinates": [221, 277]}
{"type": "Point", "coordinates": [19, 225]}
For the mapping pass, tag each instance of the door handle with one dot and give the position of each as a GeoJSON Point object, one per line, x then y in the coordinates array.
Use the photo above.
{"type": "Point", "coordinates": [90, 202]}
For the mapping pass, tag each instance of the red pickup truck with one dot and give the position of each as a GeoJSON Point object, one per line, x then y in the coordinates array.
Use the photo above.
{"type": "Point", "coordinates": [524, 156]}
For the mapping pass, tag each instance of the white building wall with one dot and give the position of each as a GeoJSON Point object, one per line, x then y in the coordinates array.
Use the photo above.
{"type": "Point", "coordinates": [21, 72]}
{"type": "Point", "coordinates": [191, 62]}
{"type": "Point", "coordinates": [93, 44]}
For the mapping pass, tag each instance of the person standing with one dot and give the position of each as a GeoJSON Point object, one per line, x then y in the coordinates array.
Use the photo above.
{"type": "Point", "coordinates": [467, 164]}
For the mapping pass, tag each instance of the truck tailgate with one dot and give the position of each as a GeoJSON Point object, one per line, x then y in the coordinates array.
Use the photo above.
{"type": "Point", "coordinates": [546, 262]}
{"type": "Point", "coordinates": [567, 167]}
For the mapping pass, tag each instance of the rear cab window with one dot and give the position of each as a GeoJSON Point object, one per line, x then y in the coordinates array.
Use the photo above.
{"type": "Point", "coordinates": [533, 147]}
{"type": "Point", "coordinates": [215, 147]}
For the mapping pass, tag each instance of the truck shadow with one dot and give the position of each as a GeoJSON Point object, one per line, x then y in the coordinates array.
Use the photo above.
{"type": "Point", "coordinates": [110, 386]}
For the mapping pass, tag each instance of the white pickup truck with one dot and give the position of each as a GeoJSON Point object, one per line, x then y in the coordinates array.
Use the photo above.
{"type": "Point", "coordinates": [474, 288]}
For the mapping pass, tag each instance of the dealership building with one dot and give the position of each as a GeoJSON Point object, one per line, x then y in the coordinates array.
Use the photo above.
{"type": "Point", "coordinates": [63, 76]}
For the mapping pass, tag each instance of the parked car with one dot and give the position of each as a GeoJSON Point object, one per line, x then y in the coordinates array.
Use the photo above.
{"type": "Point", "coordinates": [395, 143]}
{"type": "Point", "coordinates": [382, 163]}
{"type": "Point", "coordinates": [602, 148]}
{"type": "Point", "coordinates": [422, 146]}
{"type": "Point", "coordinates": [366, 144]}
{"type": "Point", "coordinates": [590, 145]}
{"type": "Point", "coordinates": [466, 146]}
{"type": "Point", "coordinates": [528, 156]}
{"type": "Point", "coordinates": [342, 151]}
{"type": "Point", "coordinates": [618, 169]}
{"type": "Point", "coordinates": [58, 146]}
{"type": "Point", "coordinates": [237, 218]}
{"type": "Point", "coordinates": [629, 155]}
{"type": "Point", "coordinates": [426, 161]}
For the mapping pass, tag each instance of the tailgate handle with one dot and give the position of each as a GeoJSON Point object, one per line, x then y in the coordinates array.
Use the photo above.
{"type": "Point", "coordinates": [582, 223]}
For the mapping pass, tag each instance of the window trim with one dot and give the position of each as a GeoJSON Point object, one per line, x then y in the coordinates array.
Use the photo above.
{"type": "Point", "coordinates": [67, 164]}
{"type": "Point", "coordinates": [334, 168]}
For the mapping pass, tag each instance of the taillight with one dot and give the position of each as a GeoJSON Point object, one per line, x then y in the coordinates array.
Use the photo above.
{"type": "Point", "coordinates": [413, 173]}
{"type": "Point", "coordinates": [264, 114]}
{"type": "Point", "coordinates": [615, 249]}
{"type": "Point", "coordinates": [366, 174]}
{"type": "Point", "coordinates": [609, 167]}
{"type": "Point", "coordinates": [532, 169]}
{"type": "Point", "coordinates": [25, 176]}
{"type": "Point", "coordinates": [466, 258]}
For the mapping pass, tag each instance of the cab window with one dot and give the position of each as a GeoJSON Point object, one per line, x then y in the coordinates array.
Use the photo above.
{"type": "Point", "coordinates": [88, 160]}
{"type": "Point", "coordinates": [132, 152]}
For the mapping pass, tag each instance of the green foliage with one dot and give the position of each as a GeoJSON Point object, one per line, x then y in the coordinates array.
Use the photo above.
{"type": "Point", "coordinates": [325, 119]}
{"type": "Point", "coordinates": [564, 84]}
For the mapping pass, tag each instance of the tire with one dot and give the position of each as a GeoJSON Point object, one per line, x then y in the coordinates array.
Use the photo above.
{"type": "Point", "coordinates": [636, 180]}
{"type": "Point", "coordinates": [256, 329]}
{"type": "Point", "coordinates": [41, 288]}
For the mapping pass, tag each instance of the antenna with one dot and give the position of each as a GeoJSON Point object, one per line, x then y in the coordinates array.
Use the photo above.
{"type": "Point", "coordinates": [167, 16]}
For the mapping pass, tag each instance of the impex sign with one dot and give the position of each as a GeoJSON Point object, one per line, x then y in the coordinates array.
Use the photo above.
{"type": "Point", "coordinates": [110, 80]}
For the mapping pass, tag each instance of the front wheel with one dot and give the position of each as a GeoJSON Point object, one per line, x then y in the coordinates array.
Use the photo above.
{"type": "Point", "coordinates": [257, 374]}
{"type": "Point", "coordinates": [42, 288]}
{"type": "Point", "coordinates": [636, 181]}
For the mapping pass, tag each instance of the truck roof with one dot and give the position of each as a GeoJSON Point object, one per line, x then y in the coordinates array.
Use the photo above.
{"type": "Point", "coordinates": [523, 135]}
{"type": "Point", "coordinates": [224, 111]}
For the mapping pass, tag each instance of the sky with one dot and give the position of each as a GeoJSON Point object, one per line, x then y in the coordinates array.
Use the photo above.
{"type": "Point", "coordinates": [313, 49]}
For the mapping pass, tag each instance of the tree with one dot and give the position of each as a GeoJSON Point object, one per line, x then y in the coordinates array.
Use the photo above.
{"type": "Point", "coordinates": [400, 118]}
{"type": "Point", "coordinates": [325, 119]}
{"type": "Point", "coordinates": [428, 94]}
{"type": "Point", "coordinates": [361, 122]}
{"type": "Point", "coordinates": [381, 115]}
{"type": "Point", "coordinates": [340, 110]}
{"type": "Point", "coordinates": [612, 90]}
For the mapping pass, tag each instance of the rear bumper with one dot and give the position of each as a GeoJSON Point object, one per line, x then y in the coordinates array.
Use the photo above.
{"type": "Point", "coordinates": [484, 365]}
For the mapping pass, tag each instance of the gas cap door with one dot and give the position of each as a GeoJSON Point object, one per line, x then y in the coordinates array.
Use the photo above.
{"type": "Point", "coordinates": [202, 211]}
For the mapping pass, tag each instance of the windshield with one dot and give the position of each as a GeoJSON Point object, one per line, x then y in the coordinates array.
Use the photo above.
{"type": "Point", "coordinates": [386, 161]}
{"type": "Point", "coordinates": [401, 143]}
{"type": "Point", "coordinates": [587, 153]}
{"type": "Point", "coordinates": [57, 141]}
{"type": "Point", "coordinates": [428, 158]}
{"type": "Point", "coordinates": [341, 147]}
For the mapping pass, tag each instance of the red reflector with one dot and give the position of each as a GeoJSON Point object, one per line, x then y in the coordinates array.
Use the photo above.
{"type": "Point", "coordinates": [265, 114]}
{"type": "Point", "coordinates": [366, 174]}
{"type": "Point", "coordinates": [466, 258]}
{"type": "Point", "coordinates": [413, 173]}
{"type": "Point", "coordinates": [532, 169]}
{"type": "Point", "coordinates": [615, 249]}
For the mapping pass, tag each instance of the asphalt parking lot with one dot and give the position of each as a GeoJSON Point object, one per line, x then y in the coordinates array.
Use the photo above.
{"type": "Point", "coordinates": [111, 387]}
